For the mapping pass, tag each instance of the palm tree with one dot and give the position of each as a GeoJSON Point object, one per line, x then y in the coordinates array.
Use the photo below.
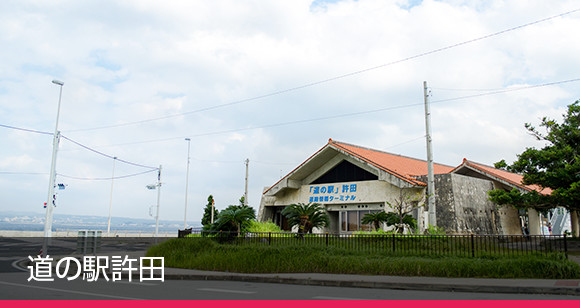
{"type": "Point", "coordinates": [306, 216]}
{"type": "Point", "coordinates": [394, 219]}
{"type": "Point", "coordinates": [375, 218]}
{"type": "Point", "coordinates": [234, 218]}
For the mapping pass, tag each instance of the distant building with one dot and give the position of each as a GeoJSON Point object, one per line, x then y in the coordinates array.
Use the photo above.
{"type": "Point", "coordinates": [351, 180]}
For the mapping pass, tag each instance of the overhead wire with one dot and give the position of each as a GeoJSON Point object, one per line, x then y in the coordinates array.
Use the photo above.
{"type": "Point", "coordinates": [315, 83]}
{"type": "Point", "coordinates": [23, 173]}
{"type": "Point", "coordinates": [109, 156]}
{"type": "Point", "coordinates": [405, 142]}
{"type": "Point", "coordinates": [233, 130]}
{"type": "Point", "coordinates": [267, 125]}
{"type": "Point", "coordinates": [79, 144]}
{"type": "Point", "coordinates": [466, 90]}
{"type": "Point", "coordinates": [104, 178]}
{"type": "Point", "coordinates": [26, 129]}
{"type": "Point", "coordinates": [506, 90]}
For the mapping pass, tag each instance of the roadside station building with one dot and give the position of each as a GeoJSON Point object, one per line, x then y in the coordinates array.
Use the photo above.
{"type": "Point", "coordinates": [351, 180]}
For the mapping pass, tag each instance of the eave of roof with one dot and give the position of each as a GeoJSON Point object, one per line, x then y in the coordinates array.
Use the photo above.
{"type": "Point", "coordinates": [512, 179]}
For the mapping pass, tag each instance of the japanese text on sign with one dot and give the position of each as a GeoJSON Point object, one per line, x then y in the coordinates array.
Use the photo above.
{"type": "Point", "coordinates": [333, 193]}
{"type": "Point", "coordinates": [94, 267]}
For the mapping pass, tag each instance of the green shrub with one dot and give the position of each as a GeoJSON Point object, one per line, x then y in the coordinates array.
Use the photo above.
{"type": "Point", "coordinates": [296, 257]}
{"type": "Point", "coordinates": [434, 230]}
{"type": "Point", "coordinates": [374, 232]}
{"type": "Point", "coordinates": [268, 226]}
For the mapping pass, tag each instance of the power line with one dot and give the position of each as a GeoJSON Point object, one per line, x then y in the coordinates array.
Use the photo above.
{"type": "Point", "coordinates": [25, 129]}
{"type": "Point", "coordinates": [218, 161]}
{"type": "Point", "coordinates": [272, 163]}
{"type": "Point", "coordinates": [109, 156]}
{"type": "Point", "coordinates": [75, 142]}
{"type": "Point", "coordinates": [315, 83]}
{"type": "Point", "coordinates": [23, 173]}
{"type": "Point", "coordinates": [405, 142]}
{"type": "Point", "coordinates": [106, 178]}
{"type": "Point", "coordinates": [506, 90]}
{"type": "Point", "coordinates": [269, 125]}
{"type": "Point", "coordinates": [345, 114]}
{"type": "Point", "coordinates": [466, 90]}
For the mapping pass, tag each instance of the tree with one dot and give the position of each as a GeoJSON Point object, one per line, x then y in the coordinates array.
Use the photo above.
{"type": "Point", "coordinates": [375, 218]}
{"type": "Point", "coordinates": [234, 219]}
{"type": "Point", "coordinates": [241, 205]}
{"type": "Point", "coordinates": [306, 216]}
{"type": "Point", "coordinates": [400, 222]}
{"type": "Point", "coordinates": [402, 207]}
{"type": "Point", "coordinates": [206, 219]}
{"type": "Point", "coordinates": [555, 166]}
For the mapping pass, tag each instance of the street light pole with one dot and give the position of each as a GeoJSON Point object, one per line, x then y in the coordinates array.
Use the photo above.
{"type": "Point", "coordinates": [111, 198]}
{"type": "Point", "coordinates": [430, 177]}
{"type": "Point", "coordinates": [158, 187]}
{"type": "Point", "coordinates": [247, 161]}
{"type": "Point", "coordinates": [186, 183]}
{"type": "Point", "coordinates": [51, 195]}
{"type": "Point", "coordinates": [158, 200]}
{"type": "Point", "coordinates": [212, 209]}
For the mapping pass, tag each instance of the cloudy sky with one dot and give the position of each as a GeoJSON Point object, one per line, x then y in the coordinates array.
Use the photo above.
{"type": "Point", "coordinates": [268, 81]}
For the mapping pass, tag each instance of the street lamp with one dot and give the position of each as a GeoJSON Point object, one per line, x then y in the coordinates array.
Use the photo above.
{"type": "Point", "coordinates": [50, 200]}
{"type": "Point", "coordinates": [158, 187]}
{"type": "Point", "coordinates": [111, 198]}
{"type": "Point", "coordinates": [186, 183]}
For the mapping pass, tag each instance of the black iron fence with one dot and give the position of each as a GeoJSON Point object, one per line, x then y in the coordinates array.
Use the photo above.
{"type": "Point", "coordinates": [403, 244]}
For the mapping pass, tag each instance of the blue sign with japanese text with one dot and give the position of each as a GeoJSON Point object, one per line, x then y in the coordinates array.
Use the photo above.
{"type": "Point", "coordinates": [332, 193]}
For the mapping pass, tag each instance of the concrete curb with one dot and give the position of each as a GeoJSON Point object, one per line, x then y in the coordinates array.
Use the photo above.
{"type": "Point", "coordinates": [438, 287]}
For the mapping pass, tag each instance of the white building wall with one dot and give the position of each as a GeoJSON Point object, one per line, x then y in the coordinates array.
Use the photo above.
{"type": "Point", "coordinates": [342, 193]}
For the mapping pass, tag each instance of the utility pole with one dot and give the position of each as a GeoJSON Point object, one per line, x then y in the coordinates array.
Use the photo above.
{"type": "Point", "coordinates": [430, 176]}
{"type": "Point", "coordinates": [212, 209]}
{"type": "Point", "coordinates": [186, 183]}
{"type": "Point", "coordinates": [158, 201]}
{"type": "Point", "coordinates": [51, 199]}
{"type": "Point", "coordinates": [246, 189]}
{"type": "Point", "coordinates": [111, 198]}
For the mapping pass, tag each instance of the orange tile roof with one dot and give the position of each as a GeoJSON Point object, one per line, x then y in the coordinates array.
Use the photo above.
{"type": "Point", "coordinates": [408, 168]}
{"type": "Point", "coordinates": [403, 167]}
{"type": "Point", "coordinates": [512, 178]}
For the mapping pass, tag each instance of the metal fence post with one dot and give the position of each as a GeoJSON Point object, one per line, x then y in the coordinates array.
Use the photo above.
{"type": "Point", "coordinates": [393, 242]}
{"type": "Point", "coordinates": [269, 238]}
{"type": "Point", "coordinates": [472, 246]}
{"type": "Point", "coordinates": [326, 236]}
{"type": "Point", "coordinates": [565, 246]}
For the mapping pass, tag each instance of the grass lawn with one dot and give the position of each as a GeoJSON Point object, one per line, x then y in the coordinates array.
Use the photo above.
{"type": "Point", "coordinates": [205, 254]}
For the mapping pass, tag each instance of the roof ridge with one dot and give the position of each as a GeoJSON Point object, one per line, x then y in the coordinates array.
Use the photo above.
{"type": "Point", "coordinates": [385, 152]}
{"type": "Point", "coordinates": [518, 184]}
{"type": "Point", "coordinates": [489, 166]}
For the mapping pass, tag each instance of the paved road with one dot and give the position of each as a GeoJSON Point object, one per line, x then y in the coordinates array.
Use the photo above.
{"type": "Point", "coordinates": [14, 285]}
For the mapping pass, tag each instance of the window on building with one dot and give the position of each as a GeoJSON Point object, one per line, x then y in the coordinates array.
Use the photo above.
{"type": "Point", "coordinates": [350, 221]}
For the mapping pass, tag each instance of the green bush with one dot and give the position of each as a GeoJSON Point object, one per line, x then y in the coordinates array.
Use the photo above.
{"type": "Point", "coordinates": [206, 254]}
{"type": "Point", "coordinates": [268, 226]}
{"type": "Point", "coordinates": [374, 232]}
{"type": "Point", "coordinates": [434, 230]}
